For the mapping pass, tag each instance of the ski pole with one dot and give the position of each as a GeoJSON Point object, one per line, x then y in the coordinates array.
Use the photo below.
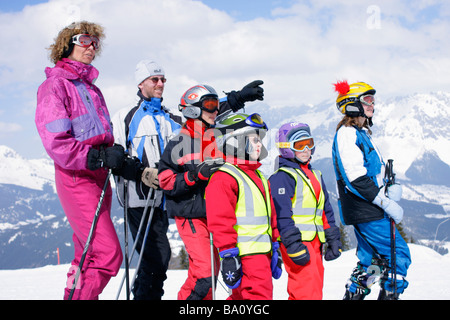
{"type": "Point", "coordinates": [133, 250]}
{"type": "Point", "coordinates": [213, 270]}
{"type": "Point", "coordinates": [390, 180]}
{"type": "Point", "coordinates": [91, 232]}
{"type": "Point", "coordinates": [125, 223]}
{"type": "Point", "coordinates": [144, 241]}
{"type": "Point", "coordinates": [393, 258]}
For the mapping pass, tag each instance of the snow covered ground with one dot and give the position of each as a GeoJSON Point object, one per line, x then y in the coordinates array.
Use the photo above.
{"type": "Point", "coordinates": [428, 277]}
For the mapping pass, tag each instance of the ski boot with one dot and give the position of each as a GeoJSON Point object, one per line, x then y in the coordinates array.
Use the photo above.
{"type": "Point", "coordinates": [387, 295]}
{"type": "Point", "coordinates": [387, 291]}
{"type": "Point", "coordinates": [358, 286]}
{"type": "Point", "coordinates": [355, 292]}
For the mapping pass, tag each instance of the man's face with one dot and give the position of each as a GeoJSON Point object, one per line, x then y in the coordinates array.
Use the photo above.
{"type": "Point", "coordinates": [153, 87]}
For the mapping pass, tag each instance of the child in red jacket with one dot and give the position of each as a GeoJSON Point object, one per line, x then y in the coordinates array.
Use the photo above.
{"type": "Point", "coordinates": [240, 211]}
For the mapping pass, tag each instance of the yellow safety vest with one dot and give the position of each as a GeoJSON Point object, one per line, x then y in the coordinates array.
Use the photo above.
{"type": "Point", "coordinates": [253, 213]}
{"type": "Point", "coordinates": [307, 215]}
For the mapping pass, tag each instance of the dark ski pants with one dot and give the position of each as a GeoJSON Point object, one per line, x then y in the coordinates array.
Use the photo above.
{"type": "Point", "coordinates": [156, 255]}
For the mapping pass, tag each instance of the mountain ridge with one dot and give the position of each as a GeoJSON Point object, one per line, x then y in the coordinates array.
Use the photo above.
{"type": "Point", "coordinates": [412, 130]}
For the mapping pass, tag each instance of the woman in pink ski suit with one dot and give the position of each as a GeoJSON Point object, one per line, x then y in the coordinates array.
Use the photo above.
{"type": "Point", "coordinates": [74, 124]}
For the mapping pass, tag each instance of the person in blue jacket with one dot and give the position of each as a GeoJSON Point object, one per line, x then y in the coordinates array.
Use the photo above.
{"type": "Point", "coordinates": [364, 200]}
{"type": "Point", "coordinates": [304, 214]}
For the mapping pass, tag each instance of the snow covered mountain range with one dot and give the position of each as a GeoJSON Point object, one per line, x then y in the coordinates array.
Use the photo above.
{"type": "Point", "coordinates": [412, 130]}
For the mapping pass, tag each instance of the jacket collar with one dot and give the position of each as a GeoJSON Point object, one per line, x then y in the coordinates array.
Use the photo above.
{"type": "Point", "coordinates": [283, 162]}
{"type": "Point", "coordinates": [73, 70]}
{"type": "Point", "coordinates": [245, 165]}
{"type": "Point", "coordinates": [196, 129]}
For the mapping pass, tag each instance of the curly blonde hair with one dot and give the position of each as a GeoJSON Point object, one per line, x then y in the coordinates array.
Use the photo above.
{"type": "Point", "coordinates": [62, 41]}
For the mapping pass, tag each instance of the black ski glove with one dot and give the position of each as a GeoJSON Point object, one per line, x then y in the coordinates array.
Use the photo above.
{"type": "Point", "coordinates": [296, 250]}
{"type": "Point", "coordinates": [231, 267]}
{"type": "Point", "coordinates": [334, 245]}
{"type": "Point", "coordinates": [131, 169]}
{"type": "Point", "coordinates": [252, 91]}
{"type": "Point", "coordinates": [112, 157]}
{"type": "Point", "coordinates": [249, 92]}
{"type": "Point", "coordinates": [205, 169]}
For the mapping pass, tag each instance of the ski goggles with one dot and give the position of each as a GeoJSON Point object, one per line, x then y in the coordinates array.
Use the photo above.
{"type": "Point", "coordinates": [298, 145]}
{"type": "Point", "coordinates": [86, 40]}
{"type": "Point", "coordinates": [255, 120]}
{"type": "Point", "coordinates": [367, 99]}
{"type": "Point", "coordinates": [209, 104]}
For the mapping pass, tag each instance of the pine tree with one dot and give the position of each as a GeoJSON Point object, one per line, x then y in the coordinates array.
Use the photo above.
{"type": "Point", "coordinates": [344, 238]}
{"type": "Point", "coordinates": [401, 230]}
{"type": "Point", "coordinates": [184, 259]}
{"type": "Point", "coordinates": [180, 261]}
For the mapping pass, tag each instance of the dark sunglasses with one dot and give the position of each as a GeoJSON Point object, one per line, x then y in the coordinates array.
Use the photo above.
{"type": "Point", "coordinates": [155, 80]}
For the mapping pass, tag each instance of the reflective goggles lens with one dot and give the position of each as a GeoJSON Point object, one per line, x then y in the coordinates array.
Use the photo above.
{"type": "Point", "coordinates": [256, 121]}
{"type": "Point", "coordinates": [368, 99]}
{"type": "Point", "coordinates": [210, 105]}
{"type": "Point", "coordinates": [298, 145]}
{"type": "Point", "coordinates": [155, 80]}
{"type": "Point", "coordinates": [86, 40]}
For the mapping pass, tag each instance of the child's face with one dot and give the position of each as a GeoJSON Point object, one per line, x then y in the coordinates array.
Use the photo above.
{"type": "Point", "coordinates": [209, 117]}
{"type": "Point", "coordinates": [255, 145]}
{"type": "Point", "coordinates": [304, 155]}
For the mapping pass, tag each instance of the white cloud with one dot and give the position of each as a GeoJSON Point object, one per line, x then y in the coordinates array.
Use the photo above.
{"type": "Point", "coordinates": [9, 128]}
{"type": "Point", "coordinates": [298, 53]}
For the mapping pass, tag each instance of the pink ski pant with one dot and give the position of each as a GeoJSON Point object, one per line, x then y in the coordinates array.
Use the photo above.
{"type": "Point", "coordinates": [79, 194]}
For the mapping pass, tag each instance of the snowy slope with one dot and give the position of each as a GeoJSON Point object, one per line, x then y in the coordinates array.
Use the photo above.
{"type": "Point", "coordinates": [428, 280]}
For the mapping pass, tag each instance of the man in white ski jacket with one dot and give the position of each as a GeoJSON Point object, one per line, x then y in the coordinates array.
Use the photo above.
{"type": "Point", "coordinates": [144, 131]}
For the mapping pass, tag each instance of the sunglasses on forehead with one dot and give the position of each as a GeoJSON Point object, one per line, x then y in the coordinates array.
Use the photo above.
{"type": "Point", "coordinates": [86, 40]}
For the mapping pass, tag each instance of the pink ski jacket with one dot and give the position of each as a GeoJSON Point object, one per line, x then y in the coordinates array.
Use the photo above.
{"type": "Point", "coordinates": [71, 114]}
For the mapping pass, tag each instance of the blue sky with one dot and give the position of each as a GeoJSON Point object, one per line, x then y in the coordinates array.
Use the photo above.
{"type": "Point", "coordinates": [247, 9]}
{"type": "Point", "coordinates": [298, 47]}
{"type": "Point", "coordinates": [17, 5]}
{"type": "Point", "coordinates": [238, 9]}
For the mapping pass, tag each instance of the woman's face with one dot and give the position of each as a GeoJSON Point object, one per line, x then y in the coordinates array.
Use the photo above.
{"type": "Point", "coordinates": [368, 110]}
{"type": "Point", "coordinates": [82, 54]}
